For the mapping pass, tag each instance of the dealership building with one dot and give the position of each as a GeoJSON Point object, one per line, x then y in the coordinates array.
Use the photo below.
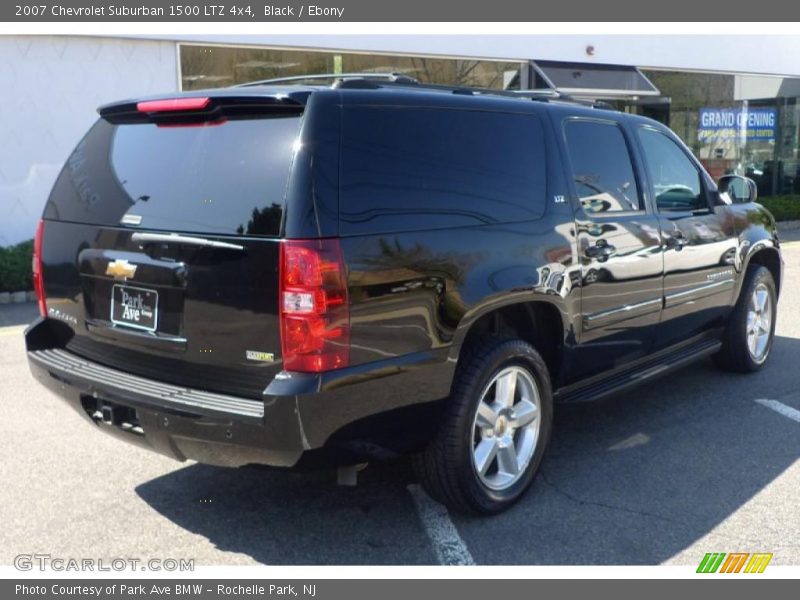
{"type": "Point", "coordinates": [732, 99]}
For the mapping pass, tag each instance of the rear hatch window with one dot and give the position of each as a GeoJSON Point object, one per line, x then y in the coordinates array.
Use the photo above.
{"type": "Point", "coordinates": [223, 178]}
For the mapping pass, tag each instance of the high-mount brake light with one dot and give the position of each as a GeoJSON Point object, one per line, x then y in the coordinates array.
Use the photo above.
{"type": "Point", "coordinates": [172, 105]}
{"type": "Point", "coordinates": [216, 123]}
{"type": "Point", "coordinates": [314, 307]}
{"type": "Point", "coordinates": [36, 268]}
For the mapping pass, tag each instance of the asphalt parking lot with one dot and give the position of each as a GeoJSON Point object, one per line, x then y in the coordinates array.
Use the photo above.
{"type": "Point", "coordinates": [686, 465]}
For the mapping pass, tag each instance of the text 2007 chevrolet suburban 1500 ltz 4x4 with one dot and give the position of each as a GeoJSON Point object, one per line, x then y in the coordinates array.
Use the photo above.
{"type": "Point", "coordinates": [311, 273]}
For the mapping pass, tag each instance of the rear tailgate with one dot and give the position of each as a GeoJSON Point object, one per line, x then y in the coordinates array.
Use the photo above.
{"type": "Point", "coordinates": [161, 242]}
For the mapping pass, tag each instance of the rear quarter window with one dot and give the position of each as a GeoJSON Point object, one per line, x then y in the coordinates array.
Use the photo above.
{"type": "Point", "coordinates": [406, 169]}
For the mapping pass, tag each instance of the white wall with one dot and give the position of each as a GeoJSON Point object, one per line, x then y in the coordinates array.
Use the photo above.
{"type": "Point", "coordinates": [51, 87]}
{"type": "Point", "coordinates": [751, 88]}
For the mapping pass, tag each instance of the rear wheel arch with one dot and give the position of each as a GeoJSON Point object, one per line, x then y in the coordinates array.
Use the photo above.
{"type": "Point", "coordinates": [539, 323]}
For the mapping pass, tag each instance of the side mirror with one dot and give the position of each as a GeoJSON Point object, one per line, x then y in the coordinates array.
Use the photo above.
{"type": "Point", "coordinates": [735, 189]}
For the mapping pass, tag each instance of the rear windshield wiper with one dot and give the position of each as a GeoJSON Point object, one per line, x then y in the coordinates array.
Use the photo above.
{"type": "Point", "coordinates": [187, 240]}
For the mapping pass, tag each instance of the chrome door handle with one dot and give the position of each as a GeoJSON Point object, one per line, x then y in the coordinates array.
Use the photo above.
{"type": "Point", "coordinates": [601, 251]}
{"type": "Point", "coordinates": [677, 241]}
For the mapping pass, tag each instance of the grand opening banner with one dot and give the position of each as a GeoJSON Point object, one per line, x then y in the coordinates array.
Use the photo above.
{"type": "Point", "coordinates": [737, 123]}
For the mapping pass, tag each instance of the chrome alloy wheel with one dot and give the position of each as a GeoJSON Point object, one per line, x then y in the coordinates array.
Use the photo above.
{"type": "Point", "coordinates": [759, 323]}
{"type": "Point", "coordinates": [506, 428]}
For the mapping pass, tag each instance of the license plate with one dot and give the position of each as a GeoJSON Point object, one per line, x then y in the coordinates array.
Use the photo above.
{"type": "Point", "coordinates": [134, 307]}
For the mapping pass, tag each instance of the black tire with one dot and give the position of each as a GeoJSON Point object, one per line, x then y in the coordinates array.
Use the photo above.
{"type": "Point", "coordinates": [735, 355]}
{"type": "Point", "coordinates": [445, 468]}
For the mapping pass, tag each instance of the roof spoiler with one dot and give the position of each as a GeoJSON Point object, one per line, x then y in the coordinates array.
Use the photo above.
{"type": "Point", "coordinates": [200, 110]}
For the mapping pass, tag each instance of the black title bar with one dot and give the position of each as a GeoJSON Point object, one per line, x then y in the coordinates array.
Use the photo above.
{"type": "Point", "coordinates": [154, 11]}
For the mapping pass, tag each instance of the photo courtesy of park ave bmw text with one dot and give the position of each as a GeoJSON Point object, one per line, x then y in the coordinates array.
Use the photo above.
{"type": "Point", "coordinates": [297, 303]}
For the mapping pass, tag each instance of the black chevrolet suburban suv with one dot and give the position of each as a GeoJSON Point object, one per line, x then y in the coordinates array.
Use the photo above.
{"type": "Point", "coordinates": [328, 272]}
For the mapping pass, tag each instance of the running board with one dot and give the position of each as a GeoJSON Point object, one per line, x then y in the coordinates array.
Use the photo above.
{"type": "Point", "coordinates": [646, 371]}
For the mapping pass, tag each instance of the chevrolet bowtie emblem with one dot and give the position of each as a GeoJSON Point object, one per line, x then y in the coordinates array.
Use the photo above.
{"type": "Point", "coordinates": [120, 269]}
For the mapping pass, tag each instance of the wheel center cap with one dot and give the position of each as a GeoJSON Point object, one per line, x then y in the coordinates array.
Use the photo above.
{"type": "Point", "coordinates": [500, 426]}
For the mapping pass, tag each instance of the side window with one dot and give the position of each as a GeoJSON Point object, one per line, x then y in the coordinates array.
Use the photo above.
{"type": "Point", "coordinates": [410, 169]}
{"type": "Point", "coordinates": [675, 179]}
{"type": "Point", "coordinates": [601, 167]}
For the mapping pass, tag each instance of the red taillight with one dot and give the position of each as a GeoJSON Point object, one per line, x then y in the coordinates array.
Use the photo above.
{"type": "Point", "coordinates": [172, 104]}
{"type": "Point", "coordinates": [36, 268]}
{"type": "Point", "coordinates": [315, 314]}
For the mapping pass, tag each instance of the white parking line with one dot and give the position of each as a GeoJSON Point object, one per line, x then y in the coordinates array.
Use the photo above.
{"type": "Point", "coordinates": [781, 408]}
{"type": "Point", "coordinates": [450, 549]}
{"type": "Point", "coordinates": [12, 330]}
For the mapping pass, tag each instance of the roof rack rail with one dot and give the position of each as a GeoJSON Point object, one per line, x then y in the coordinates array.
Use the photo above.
{"type": "Point", "coordinates": [556, 95]}
{"type": "Point", "coordinates": [603, 104]}
{"type": "Point", "coordinates": [376, 80]}
{"type": "Point", "coordinates": [547, 95]}
{"type": "Point", "coordinates": [391, 77]}
{"type": "Point", "coordinates": [454, 89]}
{"type": "Point", "coordinates": [536, 95]}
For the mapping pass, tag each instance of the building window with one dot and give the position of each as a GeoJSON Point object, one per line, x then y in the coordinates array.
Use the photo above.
{"type": "Point", "coordinates": [220, 66]}
{"type": "Point", "coordinates": [743, 124]}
